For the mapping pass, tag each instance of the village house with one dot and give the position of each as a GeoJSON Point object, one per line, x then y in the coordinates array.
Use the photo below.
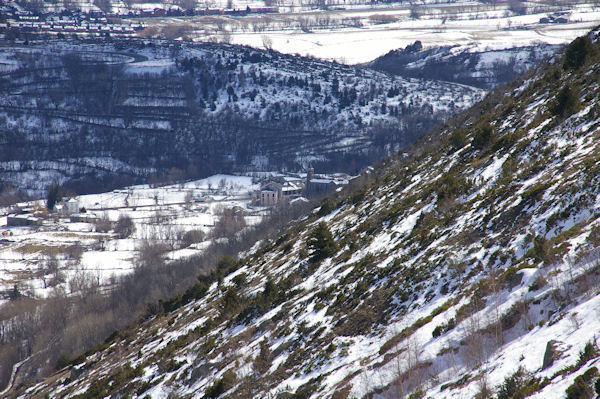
{"type": "Point", "coordinates": [323, 184]}
{"type": "Point", "coordinates": [72, 206]}
{"type": "Point", "coordinates": [292, 189]}
{"type": "Point", "coordinates": [284, 189]}
{"type": "Point", "coordinates": [24, 216]}
{"type": "Point", "coordinates": [270, 194]}
{"type": "Point", "coordinates": [24, 219]}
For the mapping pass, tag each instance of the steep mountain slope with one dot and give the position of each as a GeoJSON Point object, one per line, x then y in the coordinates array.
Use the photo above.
{"type": "Point", "coordinates": [73, 111]}
{"type": "Point", "coordinates": [466, 267]}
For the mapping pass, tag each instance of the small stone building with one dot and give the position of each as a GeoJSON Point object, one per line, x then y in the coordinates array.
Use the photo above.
{"type": "Point", "coordinates": [270, 194]}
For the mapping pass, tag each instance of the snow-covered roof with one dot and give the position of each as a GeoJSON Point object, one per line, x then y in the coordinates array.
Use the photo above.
{"type": "Point", "coordinates": [321, 181]}
{"type": "Point", "coordinates": [299, 199]}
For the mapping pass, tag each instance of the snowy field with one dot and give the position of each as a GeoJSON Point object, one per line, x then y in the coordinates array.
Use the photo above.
{"type": "Point", "coordinates": [80, 246]}
{"type": "Point", "coordinates": [356, 36]}
{"type": "Point", "coordinates": [361, 45]}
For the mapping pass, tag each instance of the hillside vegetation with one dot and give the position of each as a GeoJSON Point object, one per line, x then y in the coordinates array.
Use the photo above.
{"type": "Point", "coordinates": [465, 267]}
{"type": "Point", "coordinates": [92, 115]}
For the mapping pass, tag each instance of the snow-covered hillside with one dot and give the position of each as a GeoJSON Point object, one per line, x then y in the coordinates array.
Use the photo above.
{"type": "Point", "coordinates": [466, 267]}
{"type": "Point", "coordinates": [92, 114]}
{"type": "Point", "coordinates": [467, 64]}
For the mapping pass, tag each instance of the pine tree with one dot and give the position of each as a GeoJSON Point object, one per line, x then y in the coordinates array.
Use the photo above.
{"type": "Point", "coordinates": [54, 195]}
{"type": "Point", "coordinates": [262, 363]}
{"type": "Point", "coordinates": [482, 136]}
{"type": "Point", "coordinates": [566, 102]}
{"type": "Point", "coordinates": [321, 243]}
{"type": "Point", "coordinates": [580, 51]}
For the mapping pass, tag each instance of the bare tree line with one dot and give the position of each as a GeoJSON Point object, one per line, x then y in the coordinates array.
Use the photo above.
{"type": "Point", "coordinates": [268, 23]}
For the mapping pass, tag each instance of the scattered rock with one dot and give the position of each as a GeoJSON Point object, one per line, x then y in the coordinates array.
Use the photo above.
{"type": "Point", "coordinates": [552, 353]}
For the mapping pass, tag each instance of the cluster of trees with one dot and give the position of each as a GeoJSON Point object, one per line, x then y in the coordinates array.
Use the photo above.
{"type": "Point", "coordinates": [54, 195]}
{"type": "Point", "coordinates": [230, 222]}
{"type": "Point", "coordinates": [578, 53]}
{"type": "Point", "coordinates": [124, 226]}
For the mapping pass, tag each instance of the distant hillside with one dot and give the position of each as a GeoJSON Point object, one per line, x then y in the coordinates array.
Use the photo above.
{"type": "Point", "coordinates": [90, 114]}
{"type": "Point", "coordinates": [485, 69]}
{"type": "Point", "coordinates": [465, 268]}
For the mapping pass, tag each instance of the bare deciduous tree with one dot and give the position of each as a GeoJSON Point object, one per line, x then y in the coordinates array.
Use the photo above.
{"type": "Point", "coordinates": [124, 226]}
{"type": "Point", "coordinates": [188, 199]}
{"type": "Point", "coordinates": [231, 221]}
{"type": "Point", "coordinates": [495, 282]}
{"type": "Point", "coordinates": [415, 13]}
{"type": "Point", "coordinates": [103, 224]}
{"type": "Point", "coordinates": [192, 237]}
{"type": "Point", "coordinates": [517, 7]}
{"type": "Point", "coordinates": [473, 340]}
{"type": "Point", "coordinates": [151, 254]}
{"type": "Point", "coordinates": [267, 42]}
{"type": "Point", "coordinates": [226, 37]}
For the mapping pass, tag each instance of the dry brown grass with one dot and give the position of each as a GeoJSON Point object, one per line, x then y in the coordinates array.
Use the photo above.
{"type": "Point", "coordinates": [28, 249]}
{"type": "Point", "coordinates": [71, 235]}
{"type": "Point", "coordinates": [382, 19]}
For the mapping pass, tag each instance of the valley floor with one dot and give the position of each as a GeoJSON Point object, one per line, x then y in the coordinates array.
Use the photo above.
{"type": "Point", "coordinates": [381, 29]}
{"type": "Point", "coordinates": [84, 242]}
